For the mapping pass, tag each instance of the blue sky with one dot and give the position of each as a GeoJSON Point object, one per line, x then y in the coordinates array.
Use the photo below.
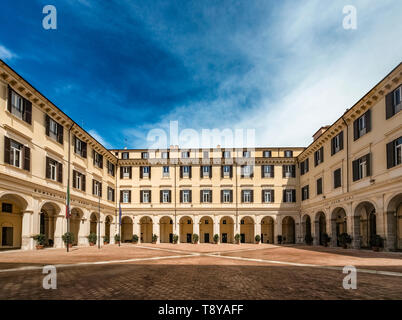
{"type": "Point", "coordinates": [282, 68]}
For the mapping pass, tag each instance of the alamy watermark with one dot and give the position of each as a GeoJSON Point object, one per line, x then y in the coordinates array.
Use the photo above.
{"type": "Point", "coordinates": [49, 22]}
{"type": "Point", "coordinates": [350, 20]}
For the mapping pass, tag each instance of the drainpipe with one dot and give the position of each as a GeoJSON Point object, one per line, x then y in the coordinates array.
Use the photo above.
{"type": "Point", "coordinates": [68, 177]}
{"type": "Point", "coordinates": [347, 155]}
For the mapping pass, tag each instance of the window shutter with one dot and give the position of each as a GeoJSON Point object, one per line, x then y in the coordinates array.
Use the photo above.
{"type": "Point", "coordinates": [100, 189]}
{"type": "Point", "coordinates": [27, 114]}
{"type": "Point", "coordinates": [368, 120]}
{"type": "Point", "coordinates": [181, 196]}
{"type": "Point", "coordinates": [283, 171]}
{"type": "Point", "coordinates": [210, 172]}
{"type": "Point", "coordinates": [47, 168]}
{"type": "Point", "coordinates": [121, 172]}
{"type": "Point", "coordinates": [210, 196]}
{"type": "Point", "coordinates": [27, 159]}
{"type": "Point", "coordinates": [368, 164]}
{"type": "Point", "coordinates": [9, 98]}
{"type": "Point", "coordinates": [160, 196]}
{"type": "Point", "coordinates": [75, 144]}
{"type": "Point", "coordinates": [141, 172]}
{"type": "Point", "coordinates": [390, 155]}
{"type": "Point", "coordinates": [201, 171]}
{"type": "Point", "coordinates": [129, 196]}
{"type": "Point", "coordinates": [141, 196]}
{"type": "Point", "coordinates": [263, 196]}
{"type": "Point", "coordinates": [60, 172]}
{"type": "Point", "coordinates": [47, 124]}
{"type": "Point", "coordinates": [231, 171]}
{"type": "Point", "coordinates": [121, 195]}
{"type": "Point", "coordinates": [7, 150]}
{"type": "Point", "coordinates": [252, 171]}
{"type": "Point", "coordinates": [272, 171]}
{"type": "Point", "coordinates": [293, 171]}
{"type": "Point", "coordinates": [302, 168]}
{"type": "Point", "coordinates": [355, 166]}
{"type": "Point", "coordinates": [355, 130]}
{"type": "Point", "coordinates": [333, 146]}
{"type": "Point", "coordinates": [191, 196]}
{"type": "Point", "coordinates": [293, 195]}
{"type": "Point", "coordinates": [84, 178]}
{"type": "Point", "coordinates": [181, 172]}
{"type": "Point", "coordinates": [221, 196]}
{"type": "Point", "coordinates": [60, 133]}
{"type": "Point", "coordinates": [149, 172]}
{"type": "Point", "coordinates": [242, 196]}
{"type": "Point", "coordinates": [284, 195]}
{"type": "Point", "coordinates": [101, 162]}
{"type": "Point", "coordinates": [252, 196]}
{"type": "Point", "coordinates": [170, 195]}
{"type": "Point", "coordinates": [341, 141]}
{"type": "Point", "coordinates": [84, 150]}
{"type": "Point", "coordinates": [150, 195]}
{"type": "Point", "coordinates": [272, 196]}
{"type": "Point", "coordinates": [130, 173]}
{"type": "Point", "coordinates": [389, 105]}
{"type": "Point", "coordinates": [93, 156]}
{"type": "Point", "coordinates": [93, 186]}
{"type": "Point", "coordinates": [189, 172]}
{"type": "Point", "coordinates": [231, 195]}
{"type": "Point", "coordinates": [221, 171]}
{"type": "Point", "coordinates": [322, 154]}
{"type": "Point", "coordinates": [201, 192]}
{"type": "Point", "coordinates": [74, 179]}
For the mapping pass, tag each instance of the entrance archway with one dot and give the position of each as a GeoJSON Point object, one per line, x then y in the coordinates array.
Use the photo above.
{"type": "Point", "coordinates": [108, 222]}
{"type": "Point", "coordinates": [288, 230]}
{"type": "Point", "coordinates": [93, 224]}
{"type": "Point", "coordinates": [365, 226]}
{"type": "Point", "coordinates": [247, 230]}
{"type": "Point", "coordinates": [267, 230]}
{"type": "Point", "coordinates": [307, 229]}
{"type": "Point", "coordinates": [206, 230]}
{"type": "Point", "coordinates": [75, 224]}
{"type": "Point", "coordinates": [47, 221]}
{"type": "Point", "coordinates": [394, 223]}
{"type": "Point", "coordinates": [146, 226]}
{"type": "Point", "coordinates": [126, 229]}
{"type": "Point", "coordinates": [321, 227]}
{"type": "Point", "coordinates": [338, 225]}
{"type": "Point", "coordinates": [186, 229]}
{"type": "Point", "coordinates": [226, 230]}
{"type": "Point", "coordinates": [166, 230]}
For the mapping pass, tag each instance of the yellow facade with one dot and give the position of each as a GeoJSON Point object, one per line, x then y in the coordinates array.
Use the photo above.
{"type": "Point", "coordinates": [205, 193]}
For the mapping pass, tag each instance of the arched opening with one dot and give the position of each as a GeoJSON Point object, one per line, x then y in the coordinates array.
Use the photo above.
{"type": "Point", "coordinates": [338, 225]}
{"type": "Point", "coordinates": [166, 230]}
{"type": "Point", "coordinates": [227, 230]}
{"type": "Point", "coordinates": [75, 224]}
{"type": "Point", "coordinates": [93, 224]}
{"type": "Point", "coordinates": [186, 229]}
{"type": "Point", "coordinates": [365, 226]}
{"type": "Point", "coordinates": [288, 230]}
{"type": "Point", "coordinates": [47, 221]}
{"type": "Point", "coordinates": [146, 228]}
{"type": "Point", "coordinates": [247, 230]}
{"type": "Point", "coordinates": [306, 225]}
{"type": "Point", "coordinates": [126, 229]}
{"type": "Point", "coordinates": [108, 223]}
{"type": "Point", "coordinates": [12, 208]}
{"type": "Point", "coordinates": [321, 227]}
{"type": "Point", "coordinates": [206, 229]}
{"type": "Point", "coordinates": [267, 230]}
{"type": "Point", "coordinates": [394, 223]}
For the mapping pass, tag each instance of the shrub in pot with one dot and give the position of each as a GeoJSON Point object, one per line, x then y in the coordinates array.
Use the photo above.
{"type": "Point", "coordinates": [325, 239]}
{"type": "Point", "coordinates": [40, 240]}
{"type": "Point", "coordinates": [237, 238]}
{"type": "Point", "coordinates": [257, 238]}
{"type": "Point", "coordinates": [175, 238]}
{"type": "Point", "coordinates": [135, 239]}
{"type": "Point", "coordinates": [68, 238]}
{"type": "Point", "coordinates": [154, 238]}
{"type": "Point", "coordinates": [117, 238]}
{"type": "Point", "coordinates": [195, 238]}
{"type": "Point", "coordinates": [92, 239]}
{"type": "Point", "coordinates": [308, 239]}
{"type": "Point", "coordinates": [279, 237]}
{"type": "Point", "coordinates": [216, 238]}
{"type": "Point", "coordinates": [344, 240]}
{"type": "Point", "coordinates": [106, 239]}
{"type": "Point", "coordinates": [376, 243]}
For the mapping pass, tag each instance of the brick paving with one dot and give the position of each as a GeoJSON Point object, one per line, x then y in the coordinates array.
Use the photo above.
{"type": "Point", "coordinates": [201, 276]}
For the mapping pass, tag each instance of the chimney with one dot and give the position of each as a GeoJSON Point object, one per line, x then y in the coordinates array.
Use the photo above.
{"type": "Point", "coordinates": [320, 132]}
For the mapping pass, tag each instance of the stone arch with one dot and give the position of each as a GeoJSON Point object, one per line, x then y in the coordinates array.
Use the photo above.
{"type": "Point", "coordinates": [186, 229]}
{"type": "Point", "coordinates": [12, 207]}
{"type": "Point", "coordinates": [93, 223]}
{"type": "Point", "coordinates": [247, 229]}
{"type": "Point", "coordinates": [320, 224]}
{"type": "Point", "coordinates": [288, 230]}
{"type": "Point", "coordinates": [146, 229]}
{"type": "Point", "coordinates": [394, 222]}
{"type": "Point", "coordinates": [126, 229]}
{"type": "Point", "coordinates": [226, 227]}
{"type": "Point", "coordinates": [206, 229]}
{"type": "Point", "coordinates": [47, 220]}
{"type": "Point", "coordinates": [338, 224]}
{"type": "Point", "coordinates": [75, 223]}
{"type": "Point", "coordinates": [108, 223]}
{"type": "Point", "coordinates": [267, 230]}
{"type": "Point", "coordinates": [306, 228]}
{"type": "Point", "coordinates": [166, 229]}
{"type": "Point", "coordinates": [364, 224]}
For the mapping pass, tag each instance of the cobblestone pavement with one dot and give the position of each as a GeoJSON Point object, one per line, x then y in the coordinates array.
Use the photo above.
{"type": "Point", "coordinates": [199, 272]}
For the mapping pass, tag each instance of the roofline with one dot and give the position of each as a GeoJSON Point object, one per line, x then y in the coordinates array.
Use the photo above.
{"type": "Point", "coordinates": [224, 148]}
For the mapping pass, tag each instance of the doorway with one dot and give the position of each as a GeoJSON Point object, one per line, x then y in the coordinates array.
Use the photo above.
{"type": "Point", "coordinates": [224, 238]}
{"type": "Point", "coordinates": [7, 236]}
{"type": "Point", "coordinates": [206, 237]}
{"type": "Point", "coordinates": [188, 237]}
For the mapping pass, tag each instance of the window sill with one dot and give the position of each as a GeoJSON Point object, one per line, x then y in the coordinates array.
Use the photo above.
{"type": "Point", "coordinates": [15, 117]}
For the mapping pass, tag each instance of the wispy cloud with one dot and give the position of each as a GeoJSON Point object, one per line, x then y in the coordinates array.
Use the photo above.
{"type": "Point", "coordinates": [100, 139]}
{"type": "Point", "coordinates": [6, 54]}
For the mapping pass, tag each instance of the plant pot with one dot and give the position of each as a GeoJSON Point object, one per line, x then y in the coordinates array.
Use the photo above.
{"type": "Point", "coordinates": [91, 244]}
{"type": "Point", "coordinates": [376, 249]}
{"type": "Point", "coordinates": [153, 242]}
{"type": "Point", "coordinates": [135, 242]}
{"type": "Point", "coordinates": [345, 246]}
{"type": "Point", "coordinates": [70, 245]}
{"type": "Point", "coordinates": [39, 246]}
{"type": "Point", "coordinates": [105, 243]}
{"type": "Point", "coordinates": [117, 242]}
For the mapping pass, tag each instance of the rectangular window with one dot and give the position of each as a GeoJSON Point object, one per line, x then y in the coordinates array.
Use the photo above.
{"type": "Point", "coordinates": [246, 154]}
{"type": "Point", "coordinates": [17, 104]}
{"type": "Point", "coordinates": [206, 196]}
{"type": "Point", "coordinates": [145, 171]}
{"type": "Point", "coordinates": [166, 171]}
{"type": "Point", "coordinates": [185, 154]}
{"type": "Point", "coordinates": [337, 178]}
{"type": "Point", "coordinates": [226, 171]}
{"type": "Point", "coordinates": [362, 125]}
{"type": "Point", "coordinates": [268, 196]}
{"type": "Point", "coordinates": [205, 154]}
{"type": "Point", "coordinates": [53, 129]}
{"type": "Point", "coordinates": [394, 153]}
{"type": "Point", "coordinates": [15, 153]}
{"type": "Point", "coordinates": [288, 153]}
{"type": "Point", "coordinates": [124, 155]}
{"type": "Point", "coordinates": [205, 171]}
{"type": "Point", "coordinates": [337, 143]}
{"type": "Point", "coordinates": [186, 171]}
{"type": "Point", "coordinates": [126, 196]}
{"type": "Point", "coordinates": [393, 102]}
{"type": "Point", "coordinates": [319, 186]}
{"type": "Point", "coordinates": [227, 196]}
{"type": "Point", "coordinates": [110, 194]}
{"type": "Point", "coordinates": [80, 147]}
{"type": "Point", "coordinates": [53, 169]}
{"type": "Point", "coordinates": [98, 159]}
{"type": "Point", "coordinates": [97, 188]}
{"type": "Point", "coordinates": [304, 166]}
{"type": "Point", "coordinates": [247, 196]}
{"type": "Point", "coordinates": [165, 155]}
{"type": "Point", "coordinates": [165, 196]}
{"type": "Point", "coordinates": [289, 196]}
{"type": "Point", "coordinates": [319, 156]}
{"type": "Point", "coordinates": [247, 171]}
{"type": "Point", "coordinates": [7, 207]}
{"type": "Point", "coordinates": [185, 196]}
{"type": "Point", "coordinates": [361, 167]}
{"type": "Point", "coordinates": [144, 155]}
{"type": "Point", "coordinates": [226, 154]}
{"type": "Point", "coordinates": [146, 196]}
{"type": "Point", "coordinates": [305, 193]}
{"type": "Point", "coordinates": [267, 154]}
{"type": "Point", "coordinates": [268, 171]}
{"type": "Point", "coordinates": [110, 168]}
{"type": "Point", "coordinates": [289, 171]}
{"type": "Point", "coordinates": [78, 180]}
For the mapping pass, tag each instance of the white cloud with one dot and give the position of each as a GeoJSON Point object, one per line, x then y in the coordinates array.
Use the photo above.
{"type": "Point", "coordinates": [6, 54]}
{"type": "Point", "coordinates": [99, 138]}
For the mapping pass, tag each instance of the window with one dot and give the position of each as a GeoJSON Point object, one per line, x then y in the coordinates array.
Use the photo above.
{"type": "Point", "coordinates": [78, 180]}
{"type": "Point", "coordinates": [98, 159]}
{"type": "Point", "coordinates": [226, 171]}
{"type": "Point", "coordinates": [185, 154]}
{"type": "Point", "coordinates": [223, 221]}
{"type": "Point", "coordinates": [319, 186]}
{"type": "Point", "coordinates": [305, 193]}
{"type": "Point", "coordinates": [205, 154]}
{"type": "Point", "coordinates": [16, 153]}
{"type": "Point", "coordinates": [146, 196]}
{"type": "Point", "coordinates": [166, 171]}
{"type": "Point", "coordinates": [268, 196]}
{"type": "Point", "coordinates": [361, 167]}
{"type": "Point", "coordinates": [146, 172]}
{"type": "Point", "coordinates": [165, 196]}
{"type": "Point", "coordinates": [185, 171]}
{"type": "Point", "coordinates": [337, 178]}
{"type": "Point", "coordinates": [54, 130]}
{"type": "Point", "coordinates": [165, 155]}
{"type": "Point", "coordinates": [185, 196]}
{"type": "Point", "coordinates": [362, 125]}
{"type": "Point", "coordinates": [394, 153]}
{"type": "Point", "coordinates": [288, 171]}
{"type": "Point", "coordinates": [226, 196]}
{"type": "Point", "coordinates": [126, 172]}
{"type": "Point", "coordinates": [288, 153]}
{"type": "Point", "coordinates": [19, 106]}
{"type": "Point", "coordinates": [246, 154]}
{"type": "Point", "coordinates": [226, 154]}
{"type": "Point", "coordinates": [124, 155]}
{"type": "Point", "coordinates": [80, 147]}
{"type": "Point", "coordinates": [319, 156]}
{"type": "Point", "coordinates": [206, 196]}
{"type": "Point", "coordinates": [337, 143]}
{"type": "Point", "coordinates": [304, 167]}
{"type": "Point", "coordinates": [246, 171]}
{"type": "Point", "coordinates": [7, 207]}
{"type": "Point", "coordinates": [144, 155]}
{"type": "Point", "coordinates": [267, 154]}
{"type": "Point", "coordinates": [96, 188]}
{"type": "Point", "coordinates": [247, 196]}
{"type": "Point", "coordinates": [206, 170]}
{"type": "Point", "coordinates": [110, 194]}
{"type": "Point", "coordinates": [110, 168]}
{"type": "Point", "coordinates": [393, 102]}
{"type": "Point", "coordinates": [54, 170]}
{"type": "Point", "coordinates": [268, 171]}
{"type": "Point", "coordinates": [126, 196]}
{"type": "Point", "coordinates": [289, 195]}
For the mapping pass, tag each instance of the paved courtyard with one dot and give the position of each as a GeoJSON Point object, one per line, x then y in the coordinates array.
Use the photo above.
{"type": "Point", "coordinates": [203, 271]}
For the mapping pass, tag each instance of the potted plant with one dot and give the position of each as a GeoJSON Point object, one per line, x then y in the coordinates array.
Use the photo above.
{"type": "Point", "coordinates": [40, 241]}
{"type": "Point", "coordinates": [344, 240]}
{"type": "Point", "coordinates": [216, 238]}
{"type": "Point", "coordinates": [279, 237]}
{"type": "Point", "coordinates": [195, 238]}
{"type": "Point", "coordinates": [175, 238]}
{"type": "Point", "coordinates": [237, 238]}
{"type": "Point", "coordinates": [154, 238]}
{"type": "Point", "coordinates": [92, 239]}
{"type": "Point", "coordinates": [257, 238]}
{"type": "Point", "coordinates": [376, 243]}
{"type": "Point", "coordinates": [117, 238]}
{"type": "Point", "coordinates": [135, 239]}
{"type": "Point", "coordinates": [325, 239]}
{"type": "Point", "coordinates": [68, 239]}
{"type": "Point", "coordinates": [106, 240]}
{"type": "Point", "coordinates": [308, 239]}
